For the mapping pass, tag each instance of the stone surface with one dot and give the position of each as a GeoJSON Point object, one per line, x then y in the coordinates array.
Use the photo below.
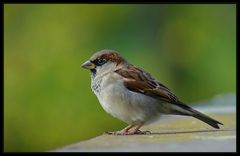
{"type": "Point", "coordinates": [174, 134]}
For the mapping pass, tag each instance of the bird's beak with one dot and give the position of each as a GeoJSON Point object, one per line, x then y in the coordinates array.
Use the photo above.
{"type": "Point", "coordinates": [88, 65]}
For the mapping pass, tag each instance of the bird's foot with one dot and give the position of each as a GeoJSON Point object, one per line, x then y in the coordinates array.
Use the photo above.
{"type": "Point", "coordinates": [117, 133]}
{"type": "Point", "coordinates": [138, 132]}
{"type": "Point", "coordinates": [142, 132]}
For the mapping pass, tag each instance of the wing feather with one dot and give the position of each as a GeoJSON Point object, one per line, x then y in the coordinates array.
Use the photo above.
{"type": "Point", "coordinates": [142, 82]}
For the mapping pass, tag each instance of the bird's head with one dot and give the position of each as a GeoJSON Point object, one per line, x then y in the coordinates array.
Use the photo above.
{"type": "Point", "coordinates": [103, 61]}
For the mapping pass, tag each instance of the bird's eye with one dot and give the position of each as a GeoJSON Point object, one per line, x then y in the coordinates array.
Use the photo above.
{"type": "Point", "coordinates": [100, 61]}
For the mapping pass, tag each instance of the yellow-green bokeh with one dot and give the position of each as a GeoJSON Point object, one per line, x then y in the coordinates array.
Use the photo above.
{"type": "Point", "coordinates": [48, 102]}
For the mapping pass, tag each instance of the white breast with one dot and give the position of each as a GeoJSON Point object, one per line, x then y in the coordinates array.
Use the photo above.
{"type": "Point", "coordinates": [128, 106]}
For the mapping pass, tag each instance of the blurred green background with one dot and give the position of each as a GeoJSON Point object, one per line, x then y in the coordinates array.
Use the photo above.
{"type": "Point", "coordinates": [48, 102]}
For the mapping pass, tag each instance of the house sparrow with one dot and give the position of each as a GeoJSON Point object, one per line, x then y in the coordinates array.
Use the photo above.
{"type": "Point", "coordinates": [133, 95]}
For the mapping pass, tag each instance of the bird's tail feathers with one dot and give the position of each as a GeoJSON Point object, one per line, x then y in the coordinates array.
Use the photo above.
{"type": "Point", "coordinates": [182, 109]}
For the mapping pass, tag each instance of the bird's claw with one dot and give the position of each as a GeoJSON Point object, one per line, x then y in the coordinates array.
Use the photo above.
{"type": "Point", "coordinates": [142, 132]}
{"type": "Point", "coordinates": [138, 132]}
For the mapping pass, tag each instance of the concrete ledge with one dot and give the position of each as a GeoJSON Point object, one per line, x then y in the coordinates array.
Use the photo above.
{"type": "Point", "coordinates": [171, 134]}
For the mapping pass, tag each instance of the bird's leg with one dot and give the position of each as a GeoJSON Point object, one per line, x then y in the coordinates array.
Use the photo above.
{"type": "Point", "coordinates": [137, 131]}
{"type": "Point", "coordinates": [126, 131]}
{"type": "Point", "coordinates": [123, 131]}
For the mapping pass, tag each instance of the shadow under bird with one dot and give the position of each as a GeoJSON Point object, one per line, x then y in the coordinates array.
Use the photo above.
{"type": "Point", "coordinates": [132, 94]}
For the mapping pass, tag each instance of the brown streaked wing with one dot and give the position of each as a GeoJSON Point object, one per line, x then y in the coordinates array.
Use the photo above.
{"type": "Point", "coordinates": [142, 82]}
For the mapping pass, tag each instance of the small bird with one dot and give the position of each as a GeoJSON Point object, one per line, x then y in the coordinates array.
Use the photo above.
{"type": "Point", "coordinates": [132, 94]}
